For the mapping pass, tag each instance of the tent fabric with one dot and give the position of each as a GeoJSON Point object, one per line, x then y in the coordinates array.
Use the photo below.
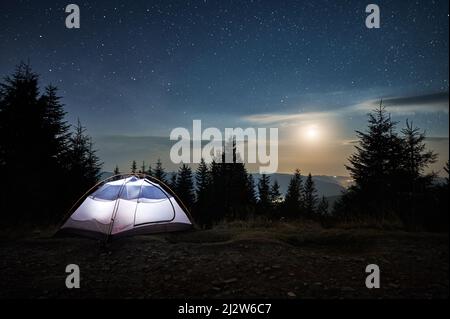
{"type": "Point", "coordinates": [125, 207]}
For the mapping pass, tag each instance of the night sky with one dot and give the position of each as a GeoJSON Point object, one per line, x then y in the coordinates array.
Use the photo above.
{"type": "Point", "coordinates": [137, 69]}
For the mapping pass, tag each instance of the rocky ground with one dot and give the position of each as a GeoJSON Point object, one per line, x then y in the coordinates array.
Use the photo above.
{"type": "Point", "coordinates": [275, 262]}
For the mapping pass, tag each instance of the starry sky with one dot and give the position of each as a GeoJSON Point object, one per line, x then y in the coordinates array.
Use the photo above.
{"type": "Point", "coordinates": [137, 69]}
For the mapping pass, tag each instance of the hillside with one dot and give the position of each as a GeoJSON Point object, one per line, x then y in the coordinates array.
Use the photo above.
{"type": "Point", "coordinates": [239, 261]}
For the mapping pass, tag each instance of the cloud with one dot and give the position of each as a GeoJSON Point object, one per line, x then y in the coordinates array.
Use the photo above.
{"type": "Point", "coordinates": [427, 103]}
{"type": "Point", "coordinates": [406, 105]}
{"type": "Point", "coordinates": [285, 119]}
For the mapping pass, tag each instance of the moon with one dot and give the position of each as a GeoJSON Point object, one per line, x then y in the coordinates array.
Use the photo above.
{"type": "Point", "coordinates": [312, 132]}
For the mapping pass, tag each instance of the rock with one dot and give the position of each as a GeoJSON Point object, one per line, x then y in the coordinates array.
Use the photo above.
{"type": "Point", "coordinates": [229, 281]}
{"type": "Point", "coordinates": [291, 294]}
{"type": "Point", "coordinates": [276, 266]}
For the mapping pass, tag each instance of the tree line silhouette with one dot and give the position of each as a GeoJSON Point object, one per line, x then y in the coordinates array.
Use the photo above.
{"type": "Point", "coordinates": [47, 164]}
{"type": "Point", "coordinates": [219, 191]}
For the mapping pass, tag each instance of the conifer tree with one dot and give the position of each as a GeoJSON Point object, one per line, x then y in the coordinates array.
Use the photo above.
{"type": "Point", "coordinates": [173, 181]}
{"type": "Point", "coordinates": [149, 171]}
{"type": "Point", "coordinates": [56, 129]}
{"type": "Point", "coordinates": [322, 207]}
{"type": "Point", "coordinates": [375, 167]}
{"type": "Point", "coordinates": [133, 167]}
{"type": "Point", "coordinates": [85, 166]}
{"type": "Point", "coordinates": [275, 194]}
{"type": "Point", "coordinates": [185, 185]}
{"type": "Point", "coordinates": [202, 181]}
{"type": "Point", "coordinates": [264, 193]}
{"type": "Point", "coordinates": [143, 168]}
{"type": "Point", "coordinates": [416, 157]}
{"type": "Point", "coordinates": [159, 172]}
{"type": "Point", "coordinates": [251, 190]}
{"type": "Point", "coordinates": [310, 196]}
{"type": "Point", "coordinates": [294, 198]}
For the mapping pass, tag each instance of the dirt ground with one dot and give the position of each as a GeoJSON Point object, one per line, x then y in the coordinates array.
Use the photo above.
{"type": "Point", "coordinates": [278, 262]}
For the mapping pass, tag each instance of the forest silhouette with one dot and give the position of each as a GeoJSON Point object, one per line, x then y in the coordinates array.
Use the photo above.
{"type": "Point", "coordinates": [50, 164]}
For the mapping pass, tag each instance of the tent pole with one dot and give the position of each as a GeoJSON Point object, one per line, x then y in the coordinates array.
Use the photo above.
{"type": "Point", "coordinates": [116, 207]}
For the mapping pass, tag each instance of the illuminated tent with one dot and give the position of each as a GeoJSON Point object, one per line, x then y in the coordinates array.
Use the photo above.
{"type": "Point", "coordinates": [128, 206]}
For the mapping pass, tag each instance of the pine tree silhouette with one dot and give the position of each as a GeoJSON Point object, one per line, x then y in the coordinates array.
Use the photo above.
{"type": "Point", "coordinates": [133, 167]}
{"type": "Point", "coordinates": [85, 166]}
{"type": "Point", "coordinates": [374, 166]}
{"type": "Point", "coordinates": [159, 172]}
{"type": "Point", "coordinates": [185, 185]}
{"type": "Point", "coordinates": [143, 168]}
{"type": "Point", "coordinates": [45, 135]}
{"type": "Point", "coordinates": [322, 207]}
{"type": "Point", "coordinates": [173, 181]}
{"type": "Point", "coordinates": [310, 196]}
{"type": "Point", "coordinates": [275, 195]}
{"type": "Point", "coordinates": [203, 183]}
{"type": "Point", "coordinates": [416, 156]}
{"type": "Point", "coordinates": [293, 202]}
{"type": "Point", "coordinates": [149, 171]}
{"type": "Point", "coordinates": [264, 203]}
{"type": "Point", "coordinates": [251, 190]}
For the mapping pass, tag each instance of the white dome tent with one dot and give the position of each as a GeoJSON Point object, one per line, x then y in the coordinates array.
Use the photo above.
{"type": "Point", "coordinates": [129, 204]}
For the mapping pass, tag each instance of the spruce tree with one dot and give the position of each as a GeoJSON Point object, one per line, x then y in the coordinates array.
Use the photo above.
{"type": "Point", "coordinates": [22, 134]}
{"type": "Point", "coordinates": [203, 191]}
{"type": "Point", "coordinates": [275, 194]}
{"type": "Point", "coordinates": [55, 127]}
{"type": "Point", "coordinates": [159, 172]}
{"type": "Point", "coordinates": [93, 164]}
{"type": "Point", "coordinates": [173, 181]}
{"type": "Point", "coordinates": [264, 193]}
{"type": "Point", "coordinates": [149, 171]}
{"type": "Point", "coordinates": [133, 167]}
{"type": "Point", "coordinates": [185, 185]}
{"type": "Point", "coordinates": [368, 166]}
{"type": "Point", "coordinates": [310, 196]}
{"type": "Point", "coordinates": [294, 198]}
{"type": "Point", "coordinates": [250, 190]}
{"type": "Point", "coordinates": [33, 124]}
{"type": "Point", "coordinates": [143, 168]}
{"type": "Point", "coordinates": [322, 207]}
{"type": "Point", "coordinates": [416, 156]}
{"type": "Point", "coordinates": [202, 181]}
{"type": "Point", "coordinates": [375, 166]}
{"type": "Point", "coordinates": [85, 166]}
